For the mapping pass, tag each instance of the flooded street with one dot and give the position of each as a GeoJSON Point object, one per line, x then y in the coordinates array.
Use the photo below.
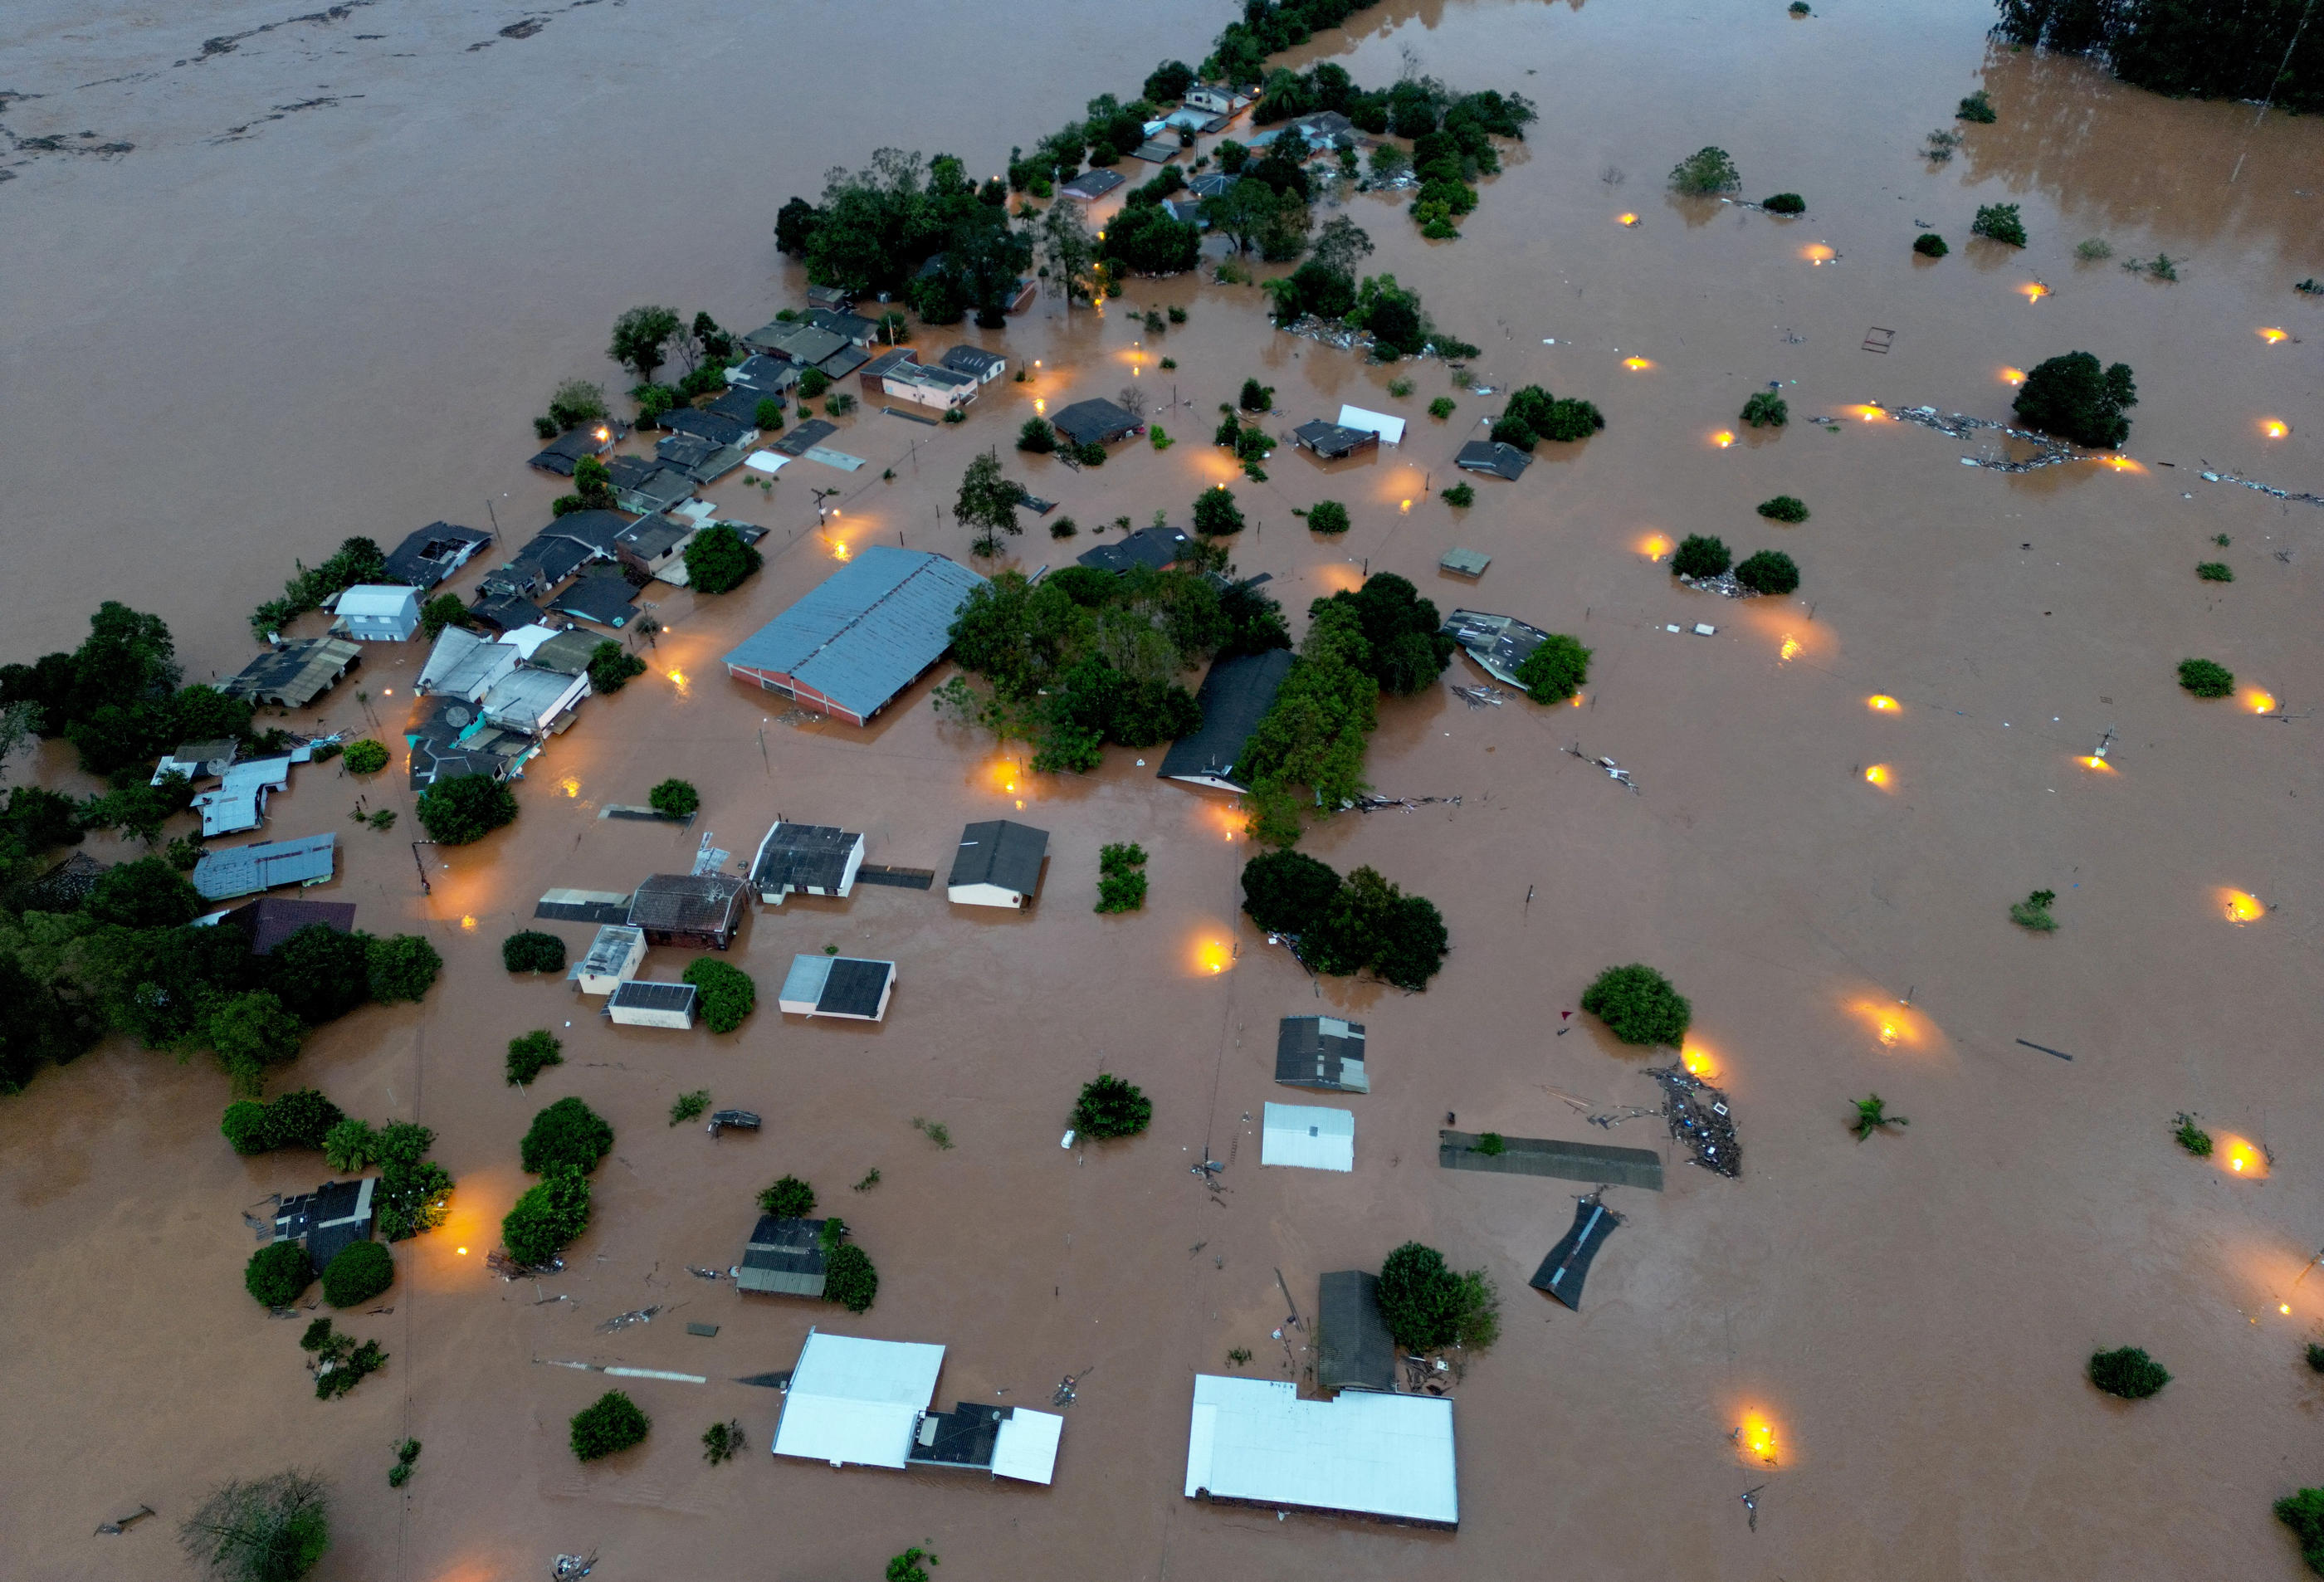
{"type": "Point", "coordinates": [346, 260]}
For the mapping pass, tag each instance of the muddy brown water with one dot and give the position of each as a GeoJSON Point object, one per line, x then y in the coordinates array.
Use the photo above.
{"type": "Point", "coordinates": [335, 275]}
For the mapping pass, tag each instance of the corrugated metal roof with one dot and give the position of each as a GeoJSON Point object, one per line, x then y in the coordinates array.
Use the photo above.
{"type": "Point", "coordinates": [637, 995]}
{"type": "Point", "coordinates": [1027, 1447]}
{"type": "Point", "coordinates": [856, 1400]}
{"type": "Point", "coordinates": [1309, 1136]}
{"type": "Point", "coordinates": [869, 631]}
{"type": "Point", "coordinates": [1001, 853]}
{"type": "Point", "coordinates": [245, 870]}
{"type": "Point", "coordinates": [1354, 1348]}
{"type": "Point", "coordinates": [1380, 1454]}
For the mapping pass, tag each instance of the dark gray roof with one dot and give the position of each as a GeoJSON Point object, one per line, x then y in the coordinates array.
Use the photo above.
{"type": "Point", "coordinates": [1320, 1052]}
{"type": "Point", "coordinates": [768, 375]}
{"type": "Point", "coordinates": [687, 903]}
{"type": "Point", "coordinates": [829, 295]}
{"type": "Point", "coordinates": [784, 1257]}
{"type": "Point", "coordinates": [845, 360]}
{"type": "Point", "coordinates": [1328, 439]}
{"type": "Point", "coordinates": [505, 611]}
{"type": "Point", "coordinates": [1563, 1272]}
{"type": "Point", "coordinates": [651, 537]}
{"type": "Point", "coordinates": [855, 987]}
{"type": "Point", "coordinates": [1495, 456]}
{"type": "Point", "coordinates": [885, 361]}
{"type": "Point", "coordinates": [296, 674]}
{"type": "Point", "coordinates": [964, 1437]}
{"type": "Point", "coordinates": [1235, 696]}
{"type": "Point", "coordinates": [559, 454]}
{"type": "Point", "coordinates": [688, 453]}
{"type": "Point", "coordinates": [329, 1219]}
{"type": "Point", "coordinates": [1092, 184]}
{"type": "Point", "coordinates": [1154, 546]}
{"type": "Point", "coordinates": [607, 599]}
{"type": "Point", "coordinates": [1001, 853]}
{"type": "Point", "coordinates": [635, 994]}
{"type": "Point", "coordinates": [1354, 1349]}
{"type": "Point", "coordinates": [972, 361]}
{"type": "Point", "coordinates": [1096, 421]}
{"type": "Point", "coordinates": [807, 435]}
{"type": "Point", "coordinates": [802, 857]}
{"type": "Point", "coordinates": [868, 631]}
{"type": "Point", "coordinates": [716, 427]}
{"type": "Point", "coordinates": [739, 402]}
{"type": "Point", "coordinates": [839, 322]}
{"type": "Point", "coordinates": [794, 341]}
{"type": "Point", "coordinates": [446, 741]}
{"type": "Point", "coordinates": [1211, 183]}
{"type": "Point", "coordinates": [594, 529]}
{"type": "Point", "coordinates": [1500, 643]}
{"type": "Point", "coordinates": [547, 559]}
{"type": "Point", "coordinates": [432, 554]}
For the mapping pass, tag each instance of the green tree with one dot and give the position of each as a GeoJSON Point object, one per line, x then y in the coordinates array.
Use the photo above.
{"type": "Point", "coordinates": [403, 966]}
{"type": "Point", "coordinates": [1216, 514]}
{"type": "Point", "coordinates": [530, 1054]}
{"type": "Point", "coordinates": [1373, 925]}
{"type": "Point", "coordinates": [415, 1192]}
{"type": "Point", "coordinates": [1638, 1005]}
{"type": "Point", "coordinates": [1786, 203]}
{"type": "Point", "coordinates": [1148, 241]}
{"type": "Point", "coordinates": [1555, 670]}
{"type": "Point", "coordinates": [2303, 1512]}
{"type": "Point", "coordinates": [278, 1274]}
{"type": "Point", "coordinates": [608, 1426]}
{"type": "Point", "coordinates": [848, 1277]}
{"type": "Point", "coordinates": [716, 562]}
{"type": "Point", "coordinates": [303, 1119]}
{"type": "Point", "coordinates": [252, 1032]}
{"type": "Point", "coordinates": [1766, 410]}
{"type": "Point", "coordinates": [1929, 244]}
{"type": "Point", "coordinates": [351, 1146]}
{"type": "Point", "coordinates": [1427, 1306]}
{"type": "Point", "coordinates": [1706, 173]}
{"type": "Point", "coordinates": [319, 974]}
{"type": "Point", "coordinates": [268, 1530]}
{"type": "Point", "coordinates": [547, 1217]}
{"type": "Point", "coordinates": [593, 485]}
{"type": "Point", "coordinates": [1110, 1106]}
{"type": "Point", "coordinates": [987, 503]}
{"type": "Point", "coordinates": [567, 1135]}
{"type": "Point", "coordinates": [1242, 214]}
{"type": "Point", "coordinates": [1067, 250]}
{"type": "Point", "coordinates": [531, 950]}
{"type": "Point", "coordinates": [1784, 508]}
{"type": "Point", "coordinates": [2068, 396]}
{"type": "Point", "coordinates": [442, 611]}
{"type": "Point", "coordinates": [145, 894]}
{"type": "Point", "coordinates": [244, 1126]}
{"type": "Point", "coordinates": [466, 808]}
{"type": "Point", "coordinates": [1700, 556]}
{"type": "Point", "coordinates": [577, 401]}
{"type": "Point", "coordinates": [366, 757]}
{"type": "Point", "coordinates": [612, 667]}
{"type": "Point", "coordinates": [640, 337]}
{"type": "Point", "coordinates": [358, 1272]}
{"type": "Point", "coordinates": [907, 1567]}
{"type": "Point", "coordinates": [675, 799]}
{"type": "Point", "coordinates": [2206, 677]}
{"type": "Point", "coordinates": [1036, 436]}
{"type": "Point", "coordinates": [1769, 571]}
{"type": "Point", "coordinates": [1327, 516]}
{"type": "Point", "coordinates": [1999, 221]}
{"type": "Point", "coordinates": [1287, 892]}
{"type": "Point", "coordinates": [725, 993]}
{"type": "Point", "coordinates": [2127, 1372]}
{"type": "Point", "coordinates": [787, 1198]}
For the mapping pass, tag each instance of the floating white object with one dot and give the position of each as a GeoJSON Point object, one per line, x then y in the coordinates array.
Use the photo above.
{"type": "Point", "coordinates": [1067, 1140]}
{"type": "Point", "coordinates": [766, 460]}
{"type": "Point", "coordinates": [1968, 461]}
{"type": "Point", "coordinates": [1670, 628]}
{"type": "Point", "coordinates": [1702, 630]}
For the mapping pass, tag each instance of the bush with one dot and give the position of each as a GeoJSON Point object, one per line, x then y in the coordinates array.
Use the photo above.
{"type": "Point", "coordinates": [360, 1271]}
{"type": "Point", "coordinates": [610, 1425]}
{"type": "Point", "coordinates": [1159, 440]}
{"type": "Point", "coordinates": [1770, 571]}
{"type": "Point", "coordinates": [1706, 173]}
{"type": "Point", "coordinates": [2215, 571]}
{"type": "Point", "coordinates": [1784, 508]}
{"type": "Point", "coordinates": [1555, 670]}
{"type": "Point", "coordinates": [532, 1054]}
{"type": "Point", "coordinates": [468, 807]}
{"type": "Point", "coordinates": [787, 1198]}
{"type": "Point", "coordinates": [1700, 556]}
{"type": "Point", "coordinates": [1461, 495]}
{"type": "Point", "coordinates": [725, 993]}
{"type": "Point", "coordinates": [1256, 397]}
{"type": "Point", "coordinates": [1767, 409]}
{"type": "Point", "coordinates": [303, 1119]}
{"type": "Point", "coordinates": [366, 757]}
{"type": "Point", "coordinates": [2127, 1372]}
{"type": "Point", "coordinates": [1065, 527]}
{"type": "Point", "coordinates": [1036, 436]}
{"type": "Point", "coordinates": [717, 560]}
{"type": "Point", "coordinates": [567, 1135]}
{"type": "Point", "coordinates": [2034, 912]}
{"type": "Point", "coordinates": [688, 1107]}
{"type": "Point", "coordinates": [675, 799]}
{"type": "Point", "coordinates": [2093, 249]}
{"type": "Point", "coordinates": [1442, 408]}
{"type": "Point", "coordinates": [1110, 1106]}
{"type": "Point", "coordinates": [546, 1218]}
{"type": "Point", "coordinates": [1786, 203]}
{"type": "Point", "coordinates": [1999, 221]}
{"type": "Point", "coordinates": [351, 1146]}
{"type": "Point", "coordinates": [1216, 513]}
{"type": "Point", "coordinates": [2193, 1138]}
{"type": "Point", "coordinates": [1327, 516]}
{"type": "Point", "coordinates": [2315, 1355]}
{"type": "Point", "coordinates": [271, 1530]}
{"type": "Point", "coordinates": [403, 967]}
{"type": "Point", "coordinates": [244, 1127]}
{"type": "Point", "coordinates": [1120, 887]}
{"type": "Point", "coordinates": [848, 1277]}
{"type": "Point", "coordinates": [1977, 108]}
{"type": "Point", "coordinates": [1287, 892]}
{"type": "Point", "coordinates": [1929, 244]}
{"type": "Point", "coordinates": [2205, 678]}
{"type": "Point", "coordinates": [813, 383]}
{"type": "Point", "coordinates": [1090, 455]}
{"type": "Point", "coordinates": [531, 950]}
{"type": "Point", "coordinates": [251, 1032]}
{"type": "Point", "coordinates": [2068, 396]}
{"type": "Point", "coordinates": [612, 669]}
{"type": "Point", "coordinates": [278, 1274]}
{"type": "Point", "coordinates": [2303, 1512]}
{"type": "Point", "coordinates": [769, 416]}
{"type": "Point", "coordinates": [1427, 1306]}
{"type": "Point", "coordinates": [1638, 1005]}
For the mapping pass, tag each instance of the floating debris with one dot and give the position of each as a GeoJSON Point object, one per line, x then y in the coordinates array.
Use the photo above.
{"type": "Point", "coordinates": [1614, 771]}
{"type": "Point", "coordinates": [567, 1568]}
{"type": "Point", "coordinates": [2054, 451]}
{"type": "Point", "coordinates": [1699, 1117]}
{"type": "Point", "coordinates": [1374, 803]}
{"type": "Point", "coordinates": [508, 1268]}
{"type": "Point", "coordinates": [2208, 475]}
{"type": "Point", "coordinates": [1480, 697]}
{"type": "Point", "coordinates": [643, 1315]}
{"type": "Point", "coordinates": [1724, 584]}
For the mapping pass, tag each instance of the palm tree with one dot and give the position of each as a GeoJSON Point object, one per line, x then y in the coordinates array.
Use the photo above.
{"type": "Point", "coordinates": [1871, 1116]}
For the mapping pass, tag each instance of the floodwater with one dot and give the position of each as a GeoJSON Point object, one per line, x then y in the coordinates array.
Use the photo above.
{"type": "Point", "coordinates": [249, 336]}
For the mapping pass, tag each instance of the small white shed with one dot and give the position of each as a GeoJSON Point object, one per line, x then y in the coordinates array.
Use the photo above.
{"type": "Point", "coordinates": [613, 959]}
{"type": "Point", "coordinates": [372, 613]}
{"type": "Point", "coordinates": [1389, 429]}
{"type": "Point", "coordinates": [653, 1005]}
{"type": "Point", "coordinates": [1309, 1136]}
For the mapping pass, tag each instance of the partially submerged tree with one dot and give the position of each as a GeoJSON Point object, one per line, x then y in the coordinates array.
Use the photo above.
{"type": "Point", "coordinates": [1110, 1106]}
{"type": "Point", "coordinates": [2206, 677]}
{"type": "Point", "coordinates": [641, 337]}
{"type": "Point", "coordinates": [724, 992]}
{"type": "Point", "coordinates": [2127, 1372]}
{"type": "Point", "coordinates": [1700, 556]}
{"type": "Point", "coordinates": [608, 1426]}
{"type": "Point", "coordinates": [717, 561]}
{"type": "Point", "coordinates": [1706, 173]}
{"type": "Point", "coordinates": [1555, 670]}
{"type": "Point", "coordinates": [567, 1135]}
{"type": "Point", "coordinates": [546, 1218]}
{"type": "Point", "coordinates": [2070, 397]}
{"type": "Point", "coordinates": [1638, 1004]}
{"type": "Point", "coordinates": [266, 1530]}
{"type": "Point", "coordinates": [1427, 1306]}
{"type": "Point", "coordinates": [532, 950]}
{"type": "Point", "coordinates": [987, 503]}
{"type": "Point", "coordinates": [530, 1054]}
{"type": "Point", "coordinates": [787, 1198]}
{"type": "Point", "coordinates": [466, 808]}
{"type": "Point", "coordinates": [278, 1274]}
{"type": "Point", "coordinates": [2034, 912]}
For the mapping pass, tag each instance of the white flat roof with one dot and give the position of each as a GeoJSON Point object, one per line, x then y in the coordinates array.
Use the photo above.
{"type": "Point", "coordinates": [525, 638]}
{"type": "Point", "coordinates": [1308, 1136]}
{"type": "Point", "coordinates": [375, 599]}
{"type": "Point", "coordinates": [856, 1400]}
{"type": "Point", "coordinates": [1389, 429]}
{"type": "Point", "coordinates": [1374, 1454]}
{"type": "Point", "coordinates": [1027, 1447]}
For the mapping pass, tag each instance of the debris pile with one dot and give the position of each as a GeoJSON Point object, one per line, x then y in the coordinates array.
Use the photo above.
{"type": "Point", "coordinates": [2211, 477]}
{"type": "Point", "coordinates": [1373, 804]}
{"type": "Point", "coordinates": [1724, 584]}
{"type": "Point", "coordinates": [2054, 451]}
{"type": "Point", "coordinates": [1699, 1117]}
{"type": "Point", "coordinates": [1479, 697]}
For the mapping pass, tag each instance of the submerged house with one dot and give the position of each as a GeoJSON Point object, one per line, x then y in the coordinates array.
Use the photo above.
{"type": "Point", "coordinates": [978, 364]}
{"type": "Point", "coordinates": [837, 986]}
{"type": "Point", "coordinates": [295, 674]}
{"type": "Point", "coordinates": [867, 632]}
{"type": "Point", "coordinates": [1092, 185]}
{"type": "Point", "coordinates": [944, 389]}
{"type": "Point", "coordinates": [1320, 1052]}
{"type": "Point", "coordinates": [1236, 696]}
{"type": "Point", "coordinates": [1096, 421]}
{"type": "Point", "coordinates": [702, 909]}
{"type": "Point", "coordinates": [1307, 1137]}
{"type": "Point", "coordinates": [226, 872]}
{"type": "Point", "coordinates": [465, 665]}
{"type": "Point", "coordinates": [639, 1004]}
{"type": "Point", "coordinates": [1158, 547]}
{"type": "Point", "coordinates": [655, 544]}
{"type": "Point", "coordinates": [1330, 441]}
{"type": "Point", "coordinates": [271, 920]}
{"type": "Point", "coordinates": [644, 485]}
{"type": "Point", "coordinates": [1353, 1347]}
{"type": "Point", "coordinates": [238, 801]}
{"type": "Point", "coordinates": [449, 736]}
{"type": "Point", "coordinates": [811, 859]}
{"type": "Point", "coordinates": [613, 959]}
{"type": "Point", "coordinates": [603, 596]}
{"type": "Point", "coordinates": [783, 1257]}
{"type": "Point", "coordinates": [329, 1219]}
{"type": "Point", "coordinates": [1498, 458]}
{"type": "Point", "coordinates": [768, 376]}
{"type": "Point", "coordinates": [1389, 429]}
{"type": "Point", "coordinates": [376, 613]}
{"type": "Point", "coordinates": [866, 1403]}
{"type": "Point", "coordinates": [434, 553]}
{"type": "Point", "coordinates": [1498, 643]}
{"type": "Point", "coordinates": [561, 452]}
{"type": "Point", "coordinates": [998, 864]}
{"type": "Point", "coordinates": [1254, 1442]}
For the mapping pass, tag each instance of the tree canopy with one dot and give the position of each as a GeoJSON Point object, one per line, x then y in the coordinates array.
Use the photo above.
{"type": "Point", "coordinates": [1427, 1306]}
{"type": "Point", "coordinates": [567, 1135]}
{"type": "Point", "coordinates": [1345, 927]}
{"type": "Point", "coordinates": [1638, 1004]}
{"type": "Point", "coordinates": [717, 560]}
{"type": "Point", "coordinates": [466, 808]}
{"type": "Point", "coordinates": [987, 502]}
{"type": "Point", "coordinates": [2070, 397]}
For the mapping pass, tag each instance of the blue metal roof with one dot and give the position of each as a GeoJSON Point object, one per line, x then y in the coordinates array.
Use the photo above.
{"type": "Point", "coordinates": [224, 873]}
{"type": "Point", "coordinates": [868, 631]}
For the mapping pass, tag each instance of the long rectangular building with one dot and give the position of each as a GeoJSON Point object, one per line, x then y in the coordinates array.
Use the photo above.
{"type": "Point", "coordinates": [1254, 1442]}
{"type": "Point", "coordinates": [868, 631]}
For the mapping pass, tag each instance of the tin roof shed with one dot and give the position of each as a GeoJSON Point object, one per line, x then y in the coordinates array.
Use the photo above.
{"type": "Point", "coordinates": [866, 633]}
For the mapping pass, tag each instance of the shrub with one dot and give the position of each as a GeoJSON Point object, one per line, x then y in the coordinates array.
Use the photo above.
{"type": "Point", "coordinates": [717, 560]}
{"type": "Point", "coordinates": [403, 967]}
{"type": "Point", "coordinates": [1461, 495]}
{"type": "Point", "coordinates": [1977, 108]}
{"type": "Point", "coordinates": [725, 993]}
{"type": "Point", "coordinates": [1700, 556]}
{"type": "Point", "coordinates": [848, 1277]}
{"type": "Point", "coordinates": [1110, 1106]}
{"type": "Point", "coordinates": [350, 1145]}
{"type": "Point", "coordinates": [769, 415]}
{"type": "Point", "coordinates": [567, 1135]}
{"type": "Point", "coordinates": [360, 1271]}
{"type": "Point", "coordinates": [1491, 1145]}
{"type": "Point", "coordinates": [2192, 1138]}
{"type": "Point", "coordinates": [608, 1426]}
{"type": "Point", "coordinates": [2303, 1512]}
{"type": "Point", "coordinates": [1638, 1005]}
{"type": "Point", "coordinates": [721, 1442]}
{"type": "Point", "coordinates": [1442, 408]}
{"type": "Point", "coordinates": [2127, 1372]}
{"type": "Point", "coordinates": [787, 1198]}
{"type": "Point", "coordinates": [1327, 516]}
{"type": "Point", "coordinates": [466, 807]}
{"type": "Point", "coordinates": [2094, 250]}
{"type": "Point", "coordinates": [2206, 678]}
{"type": "Point", "coordinates": [687, 1107]}
{"type": "Point", "coordinates": [2215, 571]}
{"type": "Point", "coordinates": [244, 1127]}
{"type": "Point", "coordinates": [366, 757]}
{"type": "Point", "coordinates": [1256, 397]}
{"type": "Point", "coordinates": [544, 427]}
{"type": "Point", "coordinates": [1399, 388]}
{"type": "Point", "coordinates": [1427, 1306]}
{"type": "Point", "coordinates": [1706, 173]}
{"type": "Point", "coordinates": [2034, 912]}
{"type": "Point", "coordinates": [1999, 221]}
{"type": "Point", "coordinates": [612, 667]}
{"type": "Point", "coordinates": [1770, 571]}
{"type": "Point", "coordinates": [1120, 887]}
{"type": "Point", "coordinates": [1570, 419]}
{"type": "Point", "coordinates": [1090, 455]}
{"type": "Point", "coordinates": [2070, 397]}
{"type": "Point", "coordinates": [270, 1530]}
{"type": "Point", "coordinates": [813, 383]}
{"type": "Point", "coordinates": [1216, 513]}
{"type": "Point", "coordinates": [1159, 440]}
{"type": "Point", "coordinates": [1767, 409]}
{"type": "Point", "coordinates": [303, 1119]}
{"type": "Point", "coordinates": [676, 798]}
{"type": "Point", "coordinates": [1929, 244]}
{"type": "Point", "coordinates": [1784, 508]}
{"type": "Point", "coordinates": [531, 950]}
{"type": "Point", "coordinates": [532, 1053]}
{"type": "Point", "coordinates": [546, 1218]}
{"type": "Point", "coordinates": [1786, 203]}
{"type": "Point", "coordinates": [1036, 436]}
{"type": "Point", "coordinates": [1064, 527]}
{"type": "Point", "coordinates": [1555, 670]}
{"type": "Point", "coordinates": [2315, 1355]}
{"type": "Point", "coordinates": [278, 1274]}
